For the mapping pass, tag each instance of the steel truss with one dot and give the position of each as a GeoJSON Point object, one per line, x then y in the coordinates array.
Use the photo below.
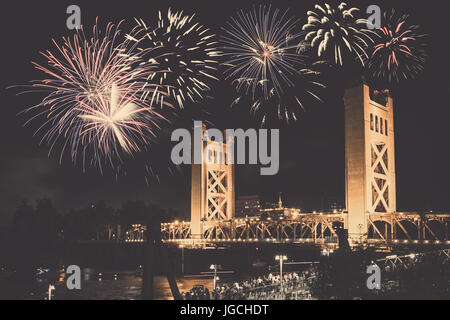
{"type": "Point", "coordinates": [409, 227]}
{"type": "Point", "coordinates": [316, 228]}
{"type": "Point", "coordinates": [399, 263]}
{"type": "Point", "coordinates": [303, 228]}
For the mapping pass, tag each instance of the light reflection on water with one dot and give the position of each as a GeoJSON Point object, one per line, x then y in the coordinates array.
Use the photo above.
{"type": "Point", "coordinates": [128, 286]}
{"type": "Point", "coordinates": [99, 285]}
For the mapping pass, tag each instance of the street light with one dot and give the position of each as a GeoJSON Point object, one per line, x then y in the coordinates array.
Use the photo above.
{"type": "Point", "coordinates": [51, 288]}
{"type": "Point", "coordinates": [215, 267]}
{"type": "Point", "coordinates": [281, 258]}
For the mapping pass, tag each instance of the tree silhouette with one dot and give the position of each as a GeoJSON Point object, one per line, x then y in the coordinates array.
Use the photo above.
{"type": "Point", "coordinates": [24, 234]}
{"type": "Point", "coordinates": [48, 223]}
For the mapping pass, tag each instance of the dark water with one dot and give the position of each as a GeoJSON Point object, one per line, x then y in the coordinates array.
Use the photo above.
{"type": "Point", "coordinates": [120, 281]}
{"type": "Point", "coordinates": [125, 285]}
{"type": "Point", "coordinates": [111, 285]}
{"type": "Point", "coordinates": [128, 286]}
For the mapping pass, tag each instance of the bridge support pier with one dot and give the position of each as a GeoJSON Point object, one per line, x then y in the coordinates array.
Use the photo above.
{"type": "Point", "coordinates": [369, 157]}
{"type": "Point", "coordinates": [213, 193]}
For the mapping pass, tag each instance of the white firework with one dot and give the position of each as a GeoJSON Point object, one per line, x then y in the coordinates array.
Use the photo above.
{"type": "Point", "coordinates": [336, 31]}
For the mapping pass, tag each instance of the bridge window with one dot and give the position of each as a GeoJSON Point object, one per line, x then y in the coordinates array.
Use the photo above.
{"type": "Point", "coordinates": [381, 126]}
{"type": "Point", "coordinates": [386, 127]}
{"type": "Point", "coordinates": [376, 124]}
{"type": "Point", "coordinates": [371, 122]}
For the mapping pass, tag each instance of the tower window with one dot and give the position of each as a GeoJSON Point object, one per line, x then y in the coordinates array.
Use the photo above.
{"type": "Point", "coordinates": [376, 124]}
{"type": "Point", "coordinates": [371, 122]}
{"type": "Point", "coordinates": [386, 127]}
{"type": "Point", "coordinates": [381, 126]}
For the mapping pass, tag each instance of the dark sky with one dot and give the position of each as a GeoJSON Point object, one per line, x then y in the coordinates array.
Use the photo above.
{"type": "Point", "coordinates": [312, 150]}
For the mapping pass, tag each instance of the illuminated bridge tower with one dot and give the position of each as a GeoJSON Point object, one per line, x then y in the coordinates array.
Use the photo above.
{"type": "Point", "coordinates": [369, 157]}
{"type": "Point", "coordinates": [213, 193]}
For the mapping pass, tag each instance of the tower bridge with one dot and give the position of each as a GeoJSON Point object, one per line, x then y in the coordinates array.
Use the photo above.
{"type": "Point", "coordinates": [316, 228]}
{"type": "Point", "coordinates": [371, 214]}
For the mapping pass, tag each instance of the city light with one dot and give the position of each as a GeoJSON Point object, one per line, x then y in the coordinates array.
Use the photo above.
{"type": "Point", "coordinates": [282, 259]}
{"type": "Point", "coordinates": [215, 268]}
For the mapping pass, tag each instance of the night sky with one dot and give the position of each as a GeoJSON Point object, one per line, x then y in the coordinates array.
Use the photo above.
{"type": "Point", "coordinates": [312, 150]}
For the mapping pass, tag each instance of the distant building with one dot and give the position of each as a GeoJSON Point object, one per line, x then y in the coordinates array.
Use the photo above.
{"type": "Point", "coordinates": [278, 209]}
{"type": "Point", "coordinates": [270, 205]}
{"type": "Point", "coordinates": [336, 206]}
{"type": "Point", "coordinates": [248, 206]}
{"type": "Point", "coordinates": [274, 205]}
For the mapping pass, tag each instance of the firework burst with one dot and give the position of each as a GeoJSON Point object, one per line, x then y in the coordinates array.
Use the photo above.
{"type": "Point", "coordinates": [260, 48]}
{"type": "Point", "coordinates": [335, 32]}
{"type": "Point", "coordinates": [99, 104]}
{"type": "Point", "coordinates": [399, 52]}
{"type": "Point", "coordinates": [288, 106]}
{"type": "Point", "coordinates": [113, 120]}
{"type": "Point", "coordinates": [265, 60]}
{"type": "Point", "coordinates": [185, 50]}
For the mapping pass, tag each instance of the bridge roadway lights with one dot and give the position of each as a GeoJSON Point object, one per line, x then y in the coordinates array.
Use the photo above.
{"type": "Point", "coordinates": [306, 229]}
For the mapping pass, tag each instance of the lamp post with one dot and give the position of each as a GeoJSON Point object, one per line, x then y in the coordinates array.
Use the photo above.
{"type": "Point", "coordinates": [51, 288]}
{"type": "Point", "coordinates": [281, 258]}
{"type": "Point", "coordinates": [215, 267]}
{"type": "Point", "coordinates": [182, 259]}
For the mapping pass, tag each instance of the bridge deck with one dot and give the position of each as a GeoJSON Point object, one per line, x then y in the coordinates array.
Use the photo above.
{"type": "Point", "coordinates": [309, 228]}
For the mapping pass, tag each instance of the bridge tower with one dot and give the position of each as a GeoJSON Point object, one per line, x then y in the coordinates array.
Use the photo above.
{"type": "Point", "coordinates": [369, 157]}
{"type": "Point", "coordinates": [212, 192]}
